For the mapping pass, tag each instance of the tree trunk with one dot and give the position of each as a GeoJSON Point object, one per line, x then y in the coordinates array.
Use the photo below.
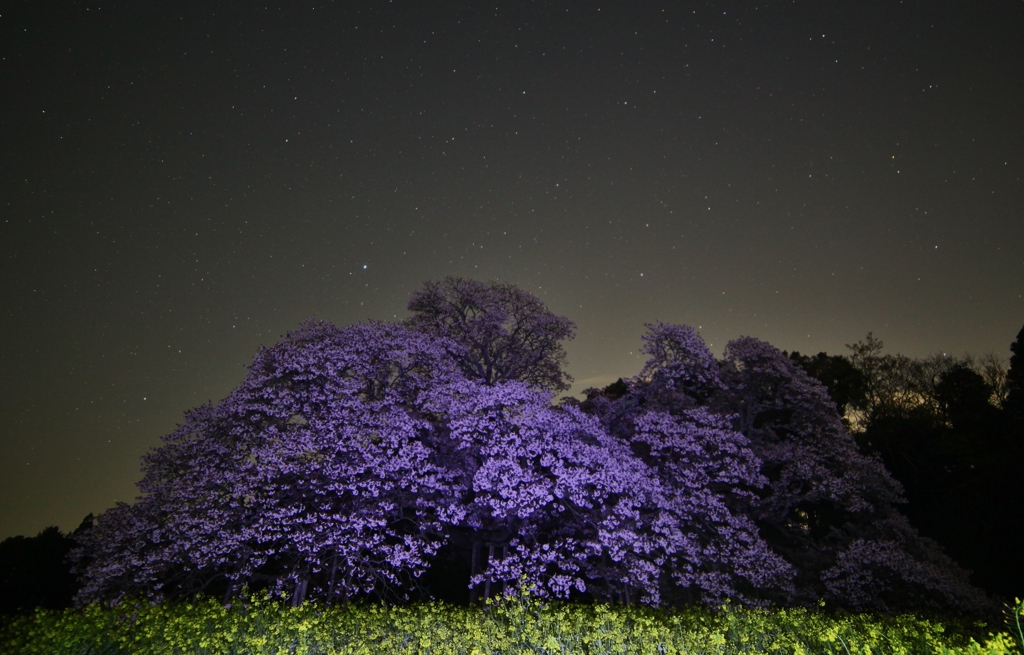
{"type": "Point", "coordinates": [480, 562]}
{"type": "Point", "coordinates": [334, 572]}
{"type": "Point", "coordinates": [300, 591]}
{"type": "Point", "coordinates": [474, 568]}
{"type": "Point", "coordinates": [487, 583]}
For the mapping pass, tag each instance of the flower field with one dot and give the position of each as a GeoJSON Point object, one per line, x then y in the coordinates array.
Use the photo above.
{"type": "Point", "coordinates": [262, 626]}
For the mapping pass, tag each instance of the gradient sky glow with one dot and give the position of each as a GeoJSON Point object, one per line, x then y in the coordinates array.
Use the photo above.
{"type": "Point", "coordinates": [181, 183]}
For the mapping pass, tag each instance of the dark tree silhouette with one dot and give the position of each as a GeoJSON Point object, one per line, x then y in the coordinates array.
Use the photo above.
{"type": "Point", "coordinates": [846, 385]}
{"type": "Point", "coordinates": [1014, 403]}
{"type": "Point", "coordinates": [965, 399]}
{"type": "Point", "coordinates": [36, 572]}
{"type": "Point", "coordinates": [934, 424]}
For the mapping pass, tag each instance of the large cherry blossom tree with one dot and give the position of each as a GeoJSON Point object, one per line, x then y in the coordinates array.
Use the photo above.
{"type": "Point", "coordinates": [317, 474]}
{"type": "Point", "coordinates": [710, 474]}
{"type": "Point", "coordinates": [350, 459]}
{"type": "Point", "coordinates": [578, 510]}
{"type": "Point", "coordinates": [829, 510]}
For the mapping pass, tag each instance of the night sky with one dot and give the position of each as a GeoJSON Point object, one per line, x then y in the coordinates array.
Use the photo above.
{"type": "Point", "coordinates": [183, 184]}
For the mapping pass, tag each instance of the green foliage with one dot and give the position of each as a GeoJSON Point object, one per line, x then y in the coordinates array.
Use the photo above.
{"type": "Point", "coordinates": [262, 626]}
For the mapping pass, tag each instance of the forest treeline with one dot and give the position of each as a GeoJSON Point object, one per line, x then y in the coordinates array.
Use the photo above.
{"type": "Point", "coordinates": [428, 459]}
{"type": "Point", "coordinates": [951, 430]}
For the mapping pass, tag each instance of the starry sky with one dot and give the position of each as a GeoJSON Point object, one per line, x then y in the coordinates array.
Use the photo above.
{"type": "Point", "coordinates": [183, 182]}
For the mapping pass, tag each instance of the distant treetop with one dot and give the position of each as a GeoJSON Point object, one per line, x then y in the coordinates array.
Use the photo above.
{"type": "Point", "coordinates": [499, 332]}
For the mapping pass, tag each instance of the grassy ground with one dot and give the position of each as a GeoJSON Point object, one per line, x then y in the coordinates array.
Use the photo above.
{"type": "Point", "coordinates": [262, 626]}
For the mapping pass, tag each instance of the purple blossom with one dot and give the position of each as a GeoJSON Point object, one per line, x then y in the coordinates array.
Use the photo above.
{"type": "Point", "coordinates": [498, 332]}
{"type": "Point", "coordinates": [349, 458]}
{"type": "Point", "coordinates": [317, 468]}
{"type": "Point", "coordinates": [831, 510]}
